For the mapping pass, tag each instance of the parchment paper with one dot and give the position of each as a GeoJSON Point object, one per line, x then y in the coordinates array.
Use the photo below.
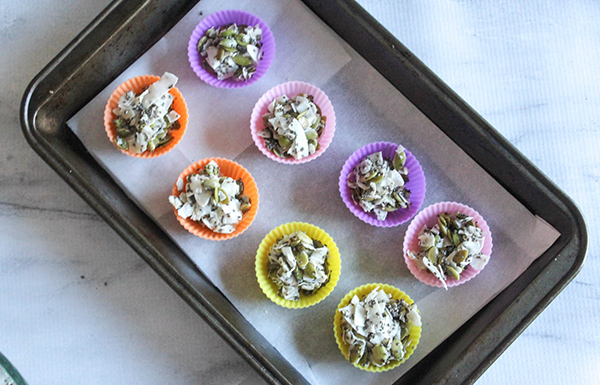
{"type": "Point", "coordinates": [368, 109]}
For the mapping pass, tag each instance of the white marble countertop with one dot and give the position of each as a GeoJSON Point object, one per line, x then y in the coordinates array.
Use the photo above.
{"type": "Point", "coordinates": [80, 307]}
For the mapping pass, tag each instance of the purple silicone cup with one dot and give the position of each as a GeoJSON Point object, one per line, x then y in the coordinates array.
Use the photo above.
{"type": "Point", "coordinates": [218, 19]}
{"type": "Point", "coordinates": [428, 217]}
{"type": "Point", "coordinates": [416, 184]}
{"type": "Point", "coordinates": [291, 89]}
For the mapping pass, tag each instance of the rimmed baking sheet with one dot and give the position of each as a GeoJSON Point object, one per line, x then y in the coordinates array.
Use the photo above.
{"type": "Point", "coordinates": [103, 52]}
{"type": "Point", "coordinates": [368, 109]}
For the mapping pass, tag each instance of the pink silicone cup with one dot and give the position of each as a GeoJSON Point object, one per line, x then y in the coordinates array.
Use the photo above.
{"type": "Point", "coordinates": [416, 185]}
{"type": "Point", "coordinates": [221, 18]}
{"type": "Point", "coordinates": [428, 217]}
{"type": "Point", "coordinates": [292, 89]}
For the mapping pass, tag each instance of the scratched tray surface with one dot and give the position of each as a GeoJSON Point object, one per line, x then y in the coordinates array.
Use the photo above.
{"type": "Point", "coordinates": [368, 108]}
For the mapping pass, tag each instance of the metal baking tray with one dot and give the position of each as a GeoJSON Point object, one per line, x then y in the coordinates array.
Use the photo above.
{"type": "Point", "coordinates": [127, 28]}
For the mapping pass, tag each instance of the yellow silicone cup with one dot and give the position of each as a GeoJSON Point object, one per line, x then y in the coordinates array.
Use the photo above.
{"type": "Point", "coordinates": [414, 336]}
{"type": "Point", "coordinates": [270, 289]}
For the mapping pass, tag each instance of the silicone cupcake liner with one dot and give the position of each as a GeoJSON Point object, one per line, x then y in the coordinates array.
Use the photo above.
{"type": "Point", "coordinates": [416, 185]}
{"type": "Point", "coordinates": [428, 217]}
{"type": "Point", "coordinates": [292, 89]}
{"type": "Point", "coordinates": [222, 18]}
{"type": "Point", "coordinates": [262, 272]}
{"type": "Point", "coordinates": [415, 333]}
{"type": "Point", "coordinates": [231, 169]}
{"type": "Point", "coordinates": [136, 85]}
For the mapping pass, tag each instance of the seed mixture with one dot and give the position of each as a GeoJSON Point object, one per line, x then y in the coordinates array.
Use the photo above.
{"type": "Point", "coordinates": [298, 264]}
{"type": "Point", "coordinates": [293, 126]}
{"type": "Point", "coordinates": [214, 200]}
{"type": "Point", "coordinates": [231, 51]}
{"type": "Point", "coordinates": [451, 246]}
{"type": "Point", "coordinates": [379, 185]}
{"type": "Point", "coordinates": [376, 328]}
{"type": "Point", "coordinates": [144, 122]}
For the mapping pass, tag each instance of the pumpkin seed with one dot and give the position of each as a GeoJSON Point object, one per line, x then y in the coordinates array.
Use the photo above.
{"type": "Point", "coordinates": [239, 38]}
{"type": "Point", "coordinates": [443, 229]}
{"type": "Point", "coordinates": [432, 254]}
{"type": "Point", "coordinates": [304, 237]}
{"type": "Point", "coordinates": [302, 259]}
{"type": "Point", "coordinates": [399, 161]}
{"type": "Point", "coordinates": [227, 32]}
{"type": "Point", "coordinates": [370, 176]}
{"type": "Point", "coordinates": [220, 53]}
{"type": "Point", "coordinates": [442, 221]}
{"type": "Point", "coordinates": [404, 331]}
{"type": "Point", "coordinates": [242, 60]}
{"type": "Point", "coordinates": [123, 132]}
{"type": "Point", "coordinates": [454, 224]}
{"type": "Point", "coordinates": [398, 348]}
{"type": "Point", "coordinates": [455, 239]}
{"type": "Point", "coordinates": [225, 200]}
{"type": "Point", "coordinates": [201, 42]}
{"type": "Point", "coordinates": [300, 247]}
{"type": "Point", "coordinates": [310, 270]}
{"type": "Point", "coordinates": [284, 142]}
{"type": "Point", "coordinates": [380, 354]}
{"type": "Point", "coordinates": [302, 114]}
{"type": "Point", "coordinates": [452, 272]}
{"type": "Point", "coordinates": [377, 179]}
{"type": "Point", "coordinates": [229, 43]}
{"type": "Point", "coordinates": [298, 273]}
{"type": "Point", "coordinates": [357, 352]}
{"type": "Point", "coordinates": [398, 198]}
{"type": "Point", "coordinates": [460, 256]}
{"type": "Point", "coordinates": [311, 134]}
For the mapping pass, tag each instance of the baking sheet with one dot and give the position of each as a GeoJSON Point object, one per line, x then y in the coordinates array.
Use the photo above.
{"type": "Point", "coordinates": [368, 109]}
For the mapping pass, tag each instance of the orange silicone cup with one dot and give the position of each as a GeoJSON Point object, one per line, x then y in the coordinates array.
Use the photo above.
{"type": "Point", "coordinates": [233, 170]}
{"type": "Point", "coordinates": [136, 85]}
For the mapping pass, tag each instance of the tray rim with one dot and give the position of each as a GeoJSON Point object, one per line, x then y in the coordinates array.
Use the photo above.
{"type": "Point", "coordinates": [37, 95]}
